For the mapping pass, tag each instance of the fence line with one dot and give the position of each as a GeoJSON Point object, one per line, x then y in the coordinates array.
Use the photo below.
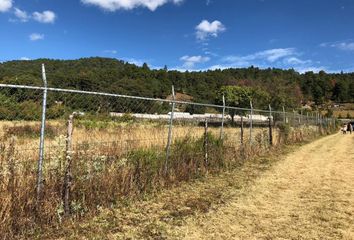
{"type": "Point", "coordinates": [268, 118]}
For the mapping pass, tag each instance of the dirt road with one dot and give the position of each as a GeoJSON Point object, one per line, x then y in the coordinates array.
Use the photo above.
{"type": "Point", "coordinates": [309, 195]}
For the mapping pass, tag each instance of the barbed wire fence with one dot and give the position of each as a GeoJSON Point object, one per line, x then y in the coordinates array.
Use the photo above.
{"type": "Point", "coordinates": [66, 124]}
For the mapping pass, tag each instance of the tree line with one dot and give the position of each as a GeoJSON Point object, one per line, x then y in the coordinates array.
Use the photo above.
{"type": "Point", "coordinates": [277, 87]}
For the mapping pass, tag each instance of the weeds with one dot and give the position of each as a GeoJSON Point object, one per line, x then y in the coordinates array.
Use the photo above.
{"type": "Point", "coordinates": [106, 176]}
{"type": "Point", "coordinates": [29, 131]}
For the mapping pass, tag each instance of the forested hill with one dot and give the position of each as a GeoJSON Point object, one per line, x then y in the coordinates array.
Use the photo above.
{"type": "Point", "coordinates": [283, 87]}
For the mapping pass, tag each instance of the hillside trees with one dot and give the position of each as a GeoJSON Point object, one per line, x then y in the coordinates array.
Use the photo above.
{"type": "Point", "coordinates": [283, 87]}
{"type": "Point", "coordinates": [236, 96]}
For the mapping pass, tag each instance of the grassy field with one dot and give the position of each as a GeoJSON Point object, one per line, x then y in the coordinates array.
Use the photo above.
{"type": "Point", "coordinates": [112, 164]}
{"type": "Point", "coordinates": [344, 111]}
{"type": "Point", "coordinates": [269, 197]}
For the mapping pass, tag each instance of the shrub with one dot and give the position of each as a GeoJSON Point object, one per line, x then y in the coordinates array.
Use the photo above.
{"type": "Point", "coordinates": [29, 110]}
{"type": "Point", "coordinates": [29, 131]}
{"type": "Point", "coordinates": [56, 111]}
{"type": "Point", "coordinates": [284, 131]}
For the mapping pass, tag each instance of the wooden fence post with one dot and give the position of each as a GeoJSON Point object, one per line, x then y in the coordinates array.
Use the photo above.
{"type": "Point", "coordinates": [270, 132]}
{"type": "Point", "coordinates": [68, 174]}
{"type": "Point", "coordinates": [206, 143]}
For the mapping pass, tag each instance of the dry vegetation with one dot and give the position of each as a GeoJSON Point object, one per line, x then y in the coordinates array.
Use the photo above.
{"type": "Point", "coordinates": [344, 111]}
{"type": "Point", "coordinates": [309, 195]}
{"type": "Point", "coordinates": [126, 163]}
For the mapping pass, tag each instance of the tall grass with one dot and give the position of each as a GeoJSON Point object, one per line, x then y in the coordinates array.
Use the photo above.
{"type": "Point", "coordinates": [106, 176]}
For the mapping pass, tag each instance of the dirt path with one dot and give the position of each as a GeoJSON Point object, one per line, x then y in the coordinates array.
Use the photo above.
{"type": "Point", "coordinates": [309, 195]}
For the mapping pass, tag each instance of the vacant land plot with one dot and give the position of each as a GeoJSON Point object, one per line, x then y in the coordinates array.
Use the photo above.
{"type": "Point", "coordinates": [309, 194]}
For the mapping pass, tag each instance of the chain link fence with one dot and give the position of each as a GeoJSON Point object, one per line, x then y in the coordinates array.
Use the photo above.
{"type": "Point", "coordinates": [68, 139]}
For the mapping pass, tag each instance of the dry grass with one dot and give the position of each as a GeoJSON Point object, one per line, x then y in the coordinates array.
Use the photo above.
{"type": "Point", "coordinates": [107, 175]}
{"type": "Point", "coordinates": [343, 113]}
{"type": "Point", "coordinates": [309, 195]}
{"type": "Point", "coordinates": [87, 132]}
{"type": "Point", "coordinates": [267, 198]}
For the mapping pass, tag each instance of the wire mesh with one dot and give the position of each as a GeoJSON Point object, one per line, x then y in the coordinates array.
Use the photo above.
{"type": "Point", "coordinates": [118, 146]}
{"type": "Point", "coordinates": [112, 127]}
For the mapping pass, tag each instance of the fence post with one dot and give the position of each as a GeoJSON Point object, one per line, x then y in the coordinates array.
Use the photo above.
{"type": "Point", "coordinates": [68, 174]}
{"type": "Point", "coordinates": [270, 126]}
{"type": "Point", "coordinates": [284, 115]}
{"type": "Point", "coordinates": [313, 119]}
{"type": "Point", "coordinates": [169, 140]}
{"type": "Point", "coordinates": [251, 122]}
{"type": "Point", "coordinates": [307, 118]}
{"type": "Point", "coordinates": [41, 142]}
{"type": "Point", "coordinates": [242, 130]}
{"type": "Point", "coordinates": [206, 143]}
{"type": "Point", "coordinates": [317, 119]}
{"type": "Point", "coordinates": [223, 118]}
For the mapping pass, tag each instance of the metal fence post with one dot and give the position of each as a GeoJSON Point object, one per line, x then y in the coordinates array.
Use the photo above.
{"type": "Point", "coordinates": [242, 130]}
{"type": "Point", "coordinates": [318, 118]}
{"type": "Point", "coordinates": [251, 122]}
{"type": "Point", "coordinates": [313, 119]}
{"type": "Point", "coordinates": [223, 118]}
{"type": "Point", "coordinates": [270, 126]}
{"type": "Point", "coordinates": [284, 115]}
{"type": "Point", "coordinates": [41, 142]}
{"type": "Point", "coordinates": [169, 140]}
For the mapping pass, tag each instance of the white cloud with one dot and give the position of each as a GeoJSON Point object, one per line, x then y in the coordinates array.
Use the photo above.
{"type": "Point", "coordinates": [342, 45]}
{"type": "Point", "coordinates": [207, 29]}
{"type": "Point", "coordinates": [5, 5]}
{"type": "Point", "coordinates": [25, 59]}
{"type": "Point", "coordinates": [346, 46]}
{"type": "Point", "coordinates": [110, 51]}
{"type": "Point", "coordinates": [296, 61]}
{"type": "Point", "coordinates": [284, 58]}
{"type": "Point", "coordinates": [44, 17]}
{"type": "Point", "coordinates": [36, 36]}
{"type": "Point", "coordinates": [113, 5]}
{"type": "Point", "coordinates": [271, 55]}
{"type": "Point", "coordinates": [191, 61]}
{"type": "Point", "coordinates": [21, 15]}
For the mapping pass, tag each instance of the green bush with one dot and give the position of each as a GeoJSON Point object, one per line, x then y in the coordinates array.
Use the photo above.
{"type": "Point", "coordinates": [56, 111]}
{"type": "Point", "coordinates": [29, 110]}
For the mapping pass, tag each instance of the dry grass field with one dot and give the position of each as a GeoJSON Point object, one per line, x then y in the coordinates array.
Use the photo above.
{"type": "Point", "coordinates": [124, 136]}
{"type": "Point", "coordinates": [307, 194]}
{"type": "Point", "coordinates": [343, 113]}
{"type": "Point", "coordinates": [116, 163]}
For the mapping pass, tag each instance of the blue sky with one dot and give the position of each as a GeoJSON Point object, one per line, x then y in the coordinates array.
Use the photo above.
{"type": "Point", "coordinates": [184, 34]}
